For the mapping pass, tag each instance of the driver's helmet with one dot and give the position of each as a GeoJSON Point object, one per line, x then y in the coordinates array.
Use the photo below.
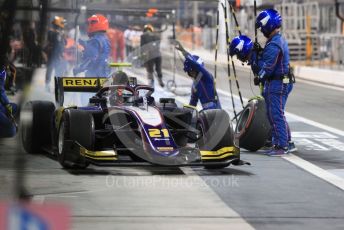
{"type": "Point", "coordinates": [116, 96]}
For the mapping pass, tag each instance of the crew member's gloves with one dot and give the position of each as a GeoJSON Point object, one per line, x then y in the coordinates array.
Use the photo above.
{"type": "Point", "coordinates": [181, 48]}
{"type": "Point", "coordinates": [176, 44]}
{"type": "Point", "coordinates": [256, 80]}
{"type": "Point", "coordinates": [9, 109]}
{"type": "Point", "coordinates": [82, 43]}
{"type": "Point", "coordinates": [257, 47]}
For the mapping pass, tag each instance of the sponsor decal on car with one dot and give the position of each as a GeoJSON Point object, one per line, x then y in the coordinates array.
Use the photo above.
{"type": "Point", "coordinates": [83, 82]}
{"type": "Point", "coordinates": [158, 133]}
{"type": "Point", "coordinates": [165, 149]}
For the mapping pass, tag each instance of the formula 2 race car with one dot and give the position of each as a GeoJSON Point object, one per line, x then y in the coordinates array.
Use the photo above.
{"type": "Point", "coordinates": [123, 125]}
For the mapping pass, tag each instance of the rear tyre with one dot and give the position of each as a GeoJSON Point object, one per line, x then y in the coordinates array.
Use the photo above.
{"type": "Point", "coordinates": [217, 132]}
{"type": "Point", "coordinates": [76, 126]}
{"type": "Point", "coordinates": [36, 125]}
{"type": "Point", "coordinates": [253, 127]}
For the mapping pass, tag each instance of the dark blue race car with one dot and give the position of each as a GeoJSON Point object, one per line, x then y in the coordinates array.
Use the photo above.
{"type": "Point", "coordinates": [124, 125]}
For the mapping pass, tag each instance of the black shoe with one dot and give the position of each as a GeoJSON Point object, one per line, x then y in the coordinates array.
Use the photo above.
{"type": "Point", "coordinates": [278, 151]}
{"type": "Point", "coordinates": [151, 83]}
{"type": "Point", "coordinates": [161, 83]}
{"type": "Point", "coordinates": [291, 147]}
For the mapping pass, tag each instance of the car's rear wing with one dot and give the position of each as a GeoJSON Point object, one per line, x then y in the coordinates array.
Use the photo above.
{"type": "Point", "coordinates": [76, 84]}
{"type": "Point", "coordinates": [120, 65]}
{"type": "Point", "coordinates": [82, 84]}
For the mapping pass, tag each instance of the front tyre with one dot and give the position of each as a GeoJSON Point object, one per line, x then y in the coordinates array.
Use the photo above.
{"type": "Point", "coordinates": [217, 133]}
{"type": "Point", "coordinates": [75, 126]}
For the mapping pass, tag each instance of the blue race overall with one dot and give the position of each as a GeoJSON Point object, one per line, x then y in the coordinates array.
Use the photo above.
{"type": "Point", "coordinates": [7, 128]}
{"type": "Point", "coordinates": [203, 87]}
{"type": "Point", "coordinates": [95, 56]}
{"type": "Point", "coordinates": [273, 70]}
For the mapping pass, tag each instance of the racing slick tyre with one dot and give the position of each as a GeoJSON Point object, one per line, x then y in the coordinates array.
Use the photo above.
{"type": "Point", "coordinates": [253, 126]}
{"type": "Point", "coordinates": [36, 125]}
{"type": "Point", "coordinates": [69, 129]}
{"type": "Point", "coordinates": [216, 131]}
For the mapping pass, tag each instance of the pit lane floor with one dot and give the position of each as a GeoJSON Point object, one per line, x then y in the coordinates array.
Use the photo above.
{"type": "Point", "coordinates": [271, 193]}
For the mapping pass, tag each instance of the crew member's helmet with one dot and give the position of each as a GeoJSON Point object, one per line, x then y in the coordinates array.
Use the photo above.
{"type": "Point", "coordinates": [268, 20]}
{"type": "Point", "coordinates": [188, 67]}
{"type": "Point", "coordinates": [97, 23]}
{"type": "Point", "coordinates": [241, 46]}
{"type": "Point", "coordinates": [120, 78]}
{"type": "Point", "coordinates": [59, 22]}
{"type": "Point", "coordinates": [148, 27]}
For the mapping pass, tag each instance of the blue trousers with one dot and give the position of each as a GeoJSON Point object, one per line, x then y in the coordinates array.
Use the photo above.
{"type": "Point", "coordinates": [276, 95]}
{"type": "Point", "coordinates": [7, 128]}
{"type": "Point", "coordinates": [289, 89]}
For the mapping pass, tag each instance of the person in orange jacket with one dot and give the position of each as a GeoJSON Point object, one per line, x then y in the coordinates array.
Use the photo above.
{"type": "Point", "coordinates": [117, 42]}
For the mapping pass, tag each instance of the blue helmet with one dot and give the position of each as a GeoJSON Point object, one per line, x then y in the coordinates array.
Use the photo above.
{"type": "Point", "coordinates": [268, 20]}
{"type": "Point", "coordinates": [188, 67]}
{"type": "Point", "coordinates": [241, 46]}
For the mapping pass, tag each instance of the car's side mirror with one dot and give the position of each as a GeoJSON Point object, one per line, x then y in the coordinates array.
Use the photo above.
{"type": "Point", "coordinates": [97, 100]}
{"type": "Point", "coordinates": [167, 100]}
